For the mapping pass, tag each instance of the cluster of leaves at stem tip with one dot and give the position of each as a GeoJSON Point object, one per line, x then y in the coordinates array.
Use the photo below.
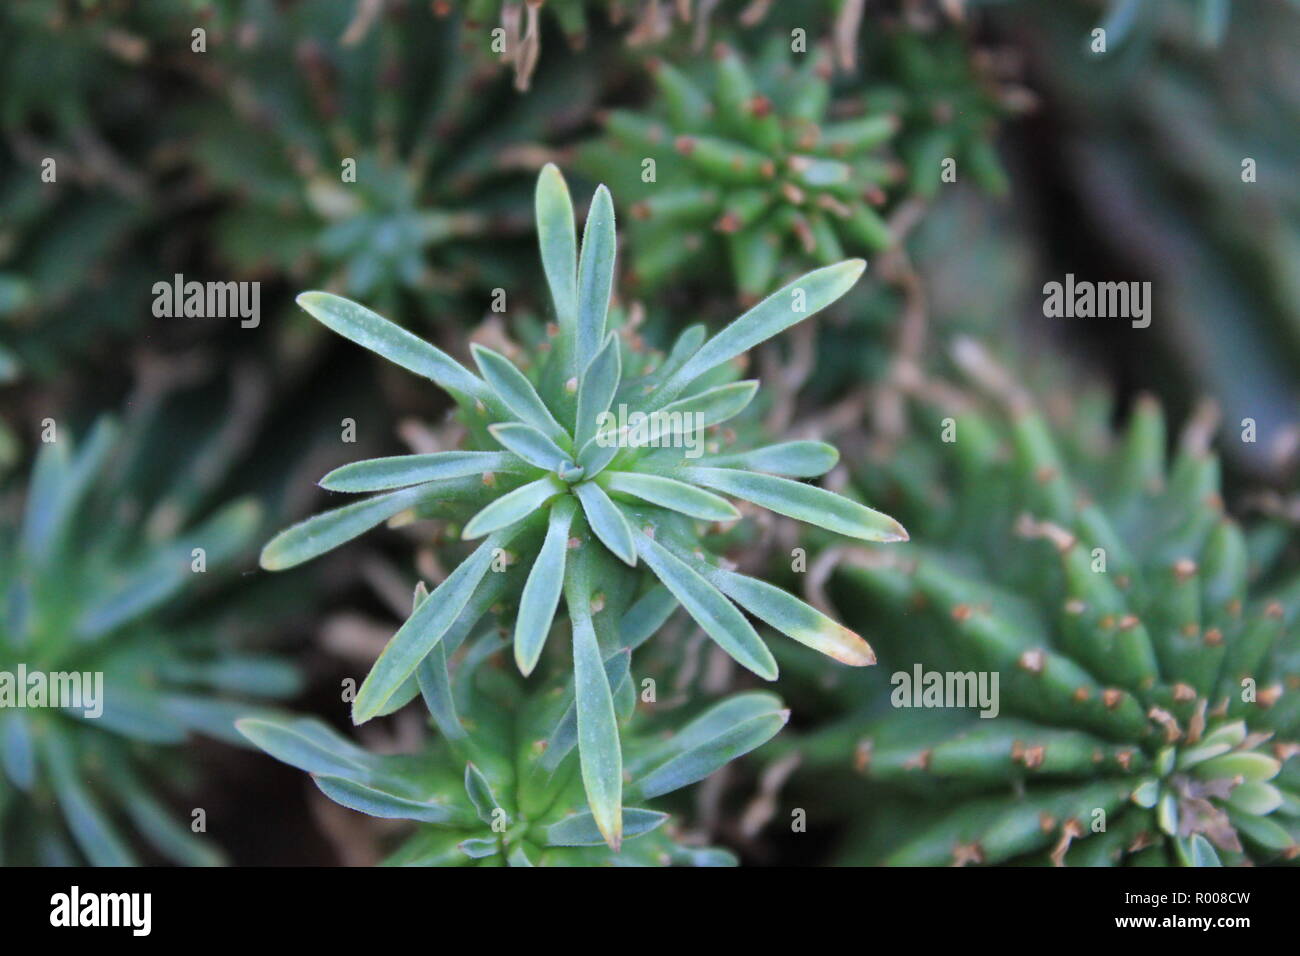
{"type": "Point", "coordinates": [750, 154]}
{"type": "Point", "coordinates": [547, 478]}
{"type": "Point", "coordinates": [89, 577]}
{"type": "Point", "coordinates": [1145, 642]}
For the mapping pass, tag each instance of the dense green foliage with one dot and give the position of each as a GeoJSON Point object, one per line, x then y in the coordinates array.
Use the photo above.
{"type": "Point", "coordinates": [608, 504]}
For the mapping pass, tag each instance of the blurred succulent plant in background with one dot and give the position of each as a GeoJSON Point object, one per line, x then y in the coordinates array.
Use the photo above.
{"type": "Point", "coordinates": [98, 580]}
{"type": "Point", "coordinates": [753, 157]}
{"type": "Point", "coordinates": [502, 786]}
{"type": "Point", "coordinates": [951, 98]}
{"type": "Point", "coordinates": [337, 175]}
{"type": "Point", "coordinates": [75, 176]}
{"type": "Point", "coordinates": [1146, 644]}
{"type": "Point", "coordinates": [590, 497]}
{"type": "Point", "coordinates": [1147, 132]}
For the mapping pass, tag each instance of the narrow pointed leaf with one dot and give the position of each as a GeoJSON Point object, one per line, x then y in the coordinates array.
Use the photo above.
{"type": "Point", "coordinates": [379, 803]}
{"type": "Point", "coordinates": [787, 306]}
{"type": "Point", "coordinates": [694, 413]}
{"type": "Point", "coordinates": [817, 506]}
{"type": "Point", "coordinates": [564, 737]}
{"type": "Point", "coordinates": [514, 390]}
{"type": "Point", "coordinates": [597, 389]}
{"type": "Point", "coordinates": [607, 521]}
{"type": "Point", "coordinates": [542, 590]}
{"type": "Point", "coordinates": [480, 794]}
{"type": "Point", "coordinates": [595, 274]}
{"type": "Point", "coordinates": [580, 829]}
{"type": "Point", "coordinates": [706, 753]}
{"type": "Point", "coordinates": [401, 471]}
{"type": "Point", "coordinates": [324, 532]}
{"type": "Point", "coordinates": [672, 494]}
{"type": "Point", "coordinates": [512, 507]}
{"type": "Point", "coordinates": [710, 609]}
{"type": "Point", "coordinates": [793, 459]}
{"type": "Point", "coordinates": [599, 753]}
{"type": "Point", "coordinates": [557, 237]}
{"type": "Point", "coordinates": [372, 331]}
{"type": "Point", "coordinates": [794, 618]}
{"type": "Point", "coordinates": [308, 745]}
{"type": "Point", "coordinates": [422, 630]}
{"type": "Point", "coordinates": [479, 848]}
{"type": "Point", "coordinates": [530, 445]}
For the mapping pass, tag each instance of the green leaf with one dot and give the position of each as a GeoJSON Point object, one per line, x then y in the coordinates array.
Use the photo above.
{"type": "Point", "coordinates": [595, 274]}
{"type": "Point", "coordinates": [400, 471]}
{"type": "Point", "coordinates": [787, 306]}
{"type": "Point", "coordinates": [713, 406]}
{"type": "Point", "coordinates": [794, 618]}
{"type": "Point", "coordinates": [307, 744]}
{"type": "Point", "coordinates": [599, 753]}
{"type": "Point", "coordinates": [1249, 765]}
{"type": "Point", "coordinates": [713, 612]}
{"type": "Point", "coordinates": [514, 390]}
{"type": "Point", "coordinates": [478, 848]}
{"type": "Point", "coordinates": [166, 572]}
{"type": "Point", "coordinates": [541, 594]}
{"type": "Point", "coordinates": [159, 826]}
{"type": "Point", "coordinates": [519, 857]}
{"type": "Point", "coordinates": [794, 499]}
{"type": "Point", "coordinates": [530, 445]}
{"type": "Point", "coordinates": [1202, 853]}
{"type": "Point", "coordinates": [423, 629]}
{"type": "Point", "coordinates": [379, 803]}
{"type": "Point", "coordinates": [557, 237]}
{"type": "Point", "coordinates": [580, 829]}
{"type": "Point", "coordinates": [564, 737]}
{"type": "Point", "coordinates": [480, 794]}
{"type": "Point", "coordinates": [793, 459]}
{"type": "Point", "coordinates": [87, 821]}
{"type": "Point", "coordinates": [670, 493]}
{"type": "Point", "coordinates": [372, 331]}
{"type": "Point", "coordinates": [712, 741]}
{"type": "Point", "coordinates": [644, 618]}
{"type": "Point", "coordinates": [598, 385]}
{"type": "Point", "coordinates": [1255, 797]}
{"type": "Point", "coordinates": [324, 532]}
{"type": "Point", "coordinates": [607, 521]}
{"type": "Point", "coordinates": [665, 427]}
{"type": "Point", "coordinates": [513, 507]}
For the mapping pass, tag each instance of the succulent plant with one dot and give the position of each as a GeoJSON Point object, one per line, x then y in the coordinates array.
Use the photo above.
{"type": "Point", "coordinates": [752, 158]}
{"type": "Point", "coordinates": [951, 100]}
{"type": "Point", "coordinates": [383, 166]}
{"type": "Point", "coordinates": [501, 786]}
{"type": "Point", "coordinates": [1149, 131]}
{"type": "Point", "coordinates": [590, 470]}
{"type": "Point", "coordinates": [97, 581]}
{"type": "Point", "coordinates": [73, 87]}
{"type": "Point", "coordinates": [1145, 646]}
